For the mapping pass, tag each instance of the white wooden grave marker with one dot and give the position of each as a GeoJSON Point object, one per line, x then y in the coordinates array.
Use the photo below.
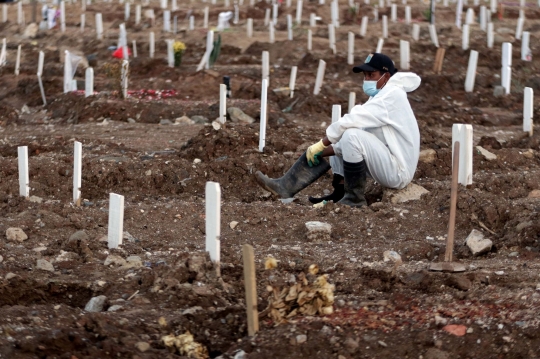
{"type": "Point", "coordinates": [19, 13]}
{"type": "Point", "coordinates": [332, 37]}
{"type": "Point", "coordinates": [275, 14]}
{"type": "Point", "coordinates": [385, 27]}
{"type": "Point", "coordinates": [336, 113]}
{"type": "Point", "coordinates": [465, 37]}
{"type": "Point", "coordinates": [222, 103]}
{"type": "Point", "coordinates": [24, 178]}
{"type": "Point", "coordinates": [116, 220]}
{"type": "Point", "coordinates": [267, 17]}
{"type": "Point", "coordinates": [41, 60]}
{"type": "Point", "coordinates": [483, 18]}
{"type": "Point", "coordinates": [262, 129]}
{"type": "Point", "coordinates": [4, 13]}
{"type": "Point", "coordinates": [127, 11]}
{"type": "Point", "coordinates": [469, 17]}
{"type": "Point", "coordinates": [320, 77]}
{"type": "Point", "coordinates": [493, 6]}
{"type": "Point", "coordinates": [415, 32]}
{"type": "Point", "coordinates": [122, 42]}
{"type": "Point", "coordinates": [167, 21]}
{"type": "Point", "coordinates": [433, 35]}
{"type": "Point", "coordinates": [408, 15]}
{"type": "Point", "coordinates": [99, 26]}
{"type": "Point", "coordinates": [124, 78]}
{"type": "Point", "coordinates": [471, 71]}
{"type": "Point", "coordinates": [490, 35]}
{"type": "Point", "coordinates": [292, 80]}
{"type": "Point", "coordinates": [393, 13]}
{"type": "Point", "coordinates": [89, 82]}
{"type": "Point", "coordinates": [309, 40]}
{"type": "Point", "coordinates": [68, 77]}
{"type": "Point", "coordinates": [350, 49]}
{"type": "Point", "coordinates": [192, 23]}
{"type": "Point", "coordinates": [77, 171]}
{"type": "Point", "coordinates": [170, 53]}
{"type": "Point", "coordinates": [519, 28]}
{"type": "Point", "coordinates": [464, 134]}
{"type": "Point", "coordinates": [299, 12]}
{"type": "Point", "coordinates": [459, 12]}
{"type": "Point", "coordinates": [525, 50]}
{"type": "Point", "coordinates": [18, 60]}
{"type": "Point", "coordinates": [152, 44]}
{"type": "Point", "coordinates": [363, 26]}
{"type": "Point", "coordinates": [289, 27]}
{"type": "Point", "coordinates": [528, 110]}
{"type": "Point", "coordinates": [404, 52]}
{"type": "Point", "coordinates": [506, 70]}
{"type": "Point", "coordinates": [249, 26]}
{"type": "Point", "coordinates": [352, 101]}
{"type": "Point", "coordinates": [137, 14]}
{"type": "Point", "coordinates": [205, 18]}
{"type": "Point", "coordinates": [62, 16]}
{"type": "Point", "coordinates": [312, 20]}
{"type": "Point", "coordinates": [83, 22]}
{"type": "Point", "coordinates": [134, 46]}
{"type": "Point", "coordinates": [380, 44]}
{"type": "Point", "coordinates": [272, 35]}
{"type": "Point", "coordinates": [266, 66]}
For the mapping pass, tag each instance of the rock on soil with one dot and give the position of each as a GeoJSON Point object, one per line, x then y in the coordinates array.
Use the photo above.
{"type": "Point", "coordinates": [15, 234]}
{"type": "Point", "coordinates": [142, 346]}
{"type": "Point", "coordinates": [318, 230]}
{"type": "Point", "coordinates": [96, 304]}
{"type": "Point", "coordinates": [116, 260]}
{"type": "Point", "coordinates": [428, 156]}
{"type": "Point", "coordinates": [44, 265]}
{"type": "Point", "coordinates": [237, 115]}
{"type": "Point", "coordinates": [477, 243]}
{"type": "Point", "coordinates": [487, 155]}
{"type": "Point", "coordinates": [410, 193]}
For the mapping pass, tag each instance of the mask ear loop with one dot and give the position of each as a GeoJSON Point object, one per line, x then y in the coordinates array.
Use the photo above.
{"type": "Point", "coordinates": [384, 83]}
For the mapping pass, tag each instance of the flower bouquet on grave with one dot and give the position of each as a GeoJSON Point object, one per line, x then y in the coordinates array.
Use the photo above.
{"type": "Point", "coordinates": [178, 48]}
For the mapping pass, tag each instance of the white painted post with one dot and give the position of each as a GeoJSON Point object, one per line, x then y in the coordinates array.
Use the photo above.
{"type": "Point", "coordinates": [213, 220]}
{"type": "Point", "coordinates": [375, 14]}
{"type": "Point", "coordinates": [127, 10]}
{"type": "Point", "coordinates": [433, 35]}
{"type": "Point", "coordinates": [445, 3]}
{"type": "Point", "coordinates": [493, 6]}
{"type": "Point", "coordinates": [469, 17]}
{"type": "Point", "coordinates": [19, 13]}
{"type": "Point", "coordinates": [249, 26]}
{"type": "Point", "coordinates": [222, 103]}
{"type": "Point", "coordinates": [39, 72]}
{"type": "Point", "coordinates": [274, 14]}
{"type": "Point", "coordinates": [464, 134]}
{"type": "Point", "coordinates": [350, 49]}
{"type": "Point", "coordinates": [352, 101]}
{"type": "Point", "coordinates": [335, 13]}
{"type": "Point", "coordinates": [116, 220]}
{"type": "Point", "coordinates": [272, 35]}
{"type": "Point", "coordinates": [336, 113]}
{"type": "Point", "coordinates": [490, 35]}
{"type": "Point", "coordinates": [483, 18]}
{"type": "Point", "coordinates": [62, 16]}
{"type": "Point", "coordinates": [519, 28]}
{"type": "Point", "coordinates": [363, 26]}
{"type": "Point", "coordinates": [152, 44]}
{"type": "Point", "coordinates": [404, 51]}
{"type": "Point", "coordinates": [506, 71]}
{"type": "Point", "coordinates": [380, 44]}
{"type": "Point", "coordinates": [525, 50]}
{"type": "Point", "coordinates": [124, 78]}
{"type": "Point", "coordinates": [236, 14]}
{"type": "Point", "coordinates": [266, 66]}
{"type": "Point", "coordinates": [174, 5]}
{"type": "Point", "coordinates": [528, 110]}
{"type": "Point", "coordinates": [122, 43]}
{"type": "Point", "coordinates": [18, 60]}
{"type": "Point", "coordinates": [465, 37]}
{"type": "Point", "coordinates": [312, 20]}
{"type": "Point", "coordinates": [209, 48]}
{"type": "Point", "coordinates": [332, 37]}
{"type": "Point", "coordinates": [83, 5]}
{"type": "Point", "coordinates": [299, 12]}
{"type": "Point", "coordinates": [134, 46]}
{"type": "Point", "coordinates": [488, 16]}
{"type": "Point", "coordinates": [205, 19]}
{"type": "Point", "coordinates": [192, 23]}
{"type": "Point", "coordinates": [459, 12]}
{"type": "Point", "coordinates": [99, 26]}
{"type": "Point", "coordinates": [164, 4]}
{"type": "Point", "coordinates": [24, 178]}
{"type": "Point", "coordinates": [471, 71]}
{"type": "Point", "coordinates": [385, 27]}
{"type": "Point", "coordinates": [167, 21]}
{"type": "Point", "coordinates": [170, 53]}
{"type": "Point", "coordinates": [77, 171]}
{"type": "Point", "coordinates": [393, 13]}
{"type": "Point", "coordinates": [289, 27]}
{"type": "Point", "coordinates": [267, 17]}
{"type": "Point", "coordinates": [4, 13]}
{"type": "Point", "coordinates": [415, 32]}
{"type": "Point", "coordinates": [408, 15]}
{"type": "Point", "coordinates": [292, 80]}
{"type": "Point", "coordinates": [83, 22]}
{"type": "Point", "coordinates": [262, 129]}
{"type": "Point", "coordinates": [89, 82]}
{"type": "Point", "coordinates": [320, 77]}
{"type": "Point", "coordinates": [137, 14]}
{"type": "Point", "coordinates": [309, 40]}
{"type": "Point", "coordinates": [67, 72]}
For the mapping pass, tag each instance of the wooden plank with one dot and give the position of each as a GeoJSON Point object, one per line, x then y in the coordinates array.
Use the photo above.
{"type": "Point", "coordinates": [453, 200]}
{"type": "Point", "coordinates": [439, 58]}
{"type": "Point", "coordinates": [251, 289]}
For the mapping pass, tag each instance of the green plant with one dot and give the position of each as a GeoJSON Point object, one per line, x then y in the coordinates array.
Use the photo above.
{"type": "Point", "coordinates": [215, 51]}
{"type": "Point", "coordinates": [427, 14]}
{"type": "Point", "coordinates": [178, 49]}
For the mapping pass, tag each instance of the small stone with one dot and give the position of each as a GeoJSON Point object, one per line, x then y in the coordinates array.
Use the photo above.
{"type": "Point", "coordinates": [382, 344]}
{"type": "Point", "coordinates": [39, 249]}
{"type": "Point", "coordinates": [35, 199]}
{"type": "Point", "coordinates": [101, 283]}
{"type": "Point", "coordinates": [191, 310]}
{"type": "Point", "coordinates": [1, 259]}
{"type": "Point", "coordinates": [233, 224]}
{"type": "Point", "coordinates": [487, 155]}
{"type": "Point", "coordinates": [10, 276]}
{"type": "Point", "coordinates": [460, 282]}
{"type": "Point", "coordinates": [428, 156]}
{"type": "Point", "coordinates": [165, 122]}
{"type": "Point", "coordinates": [237, 115]}
{"type": "Point", "coordinates": [412, 192]}
{"type": "Point", "coordinates": [318, 230]}
{"type": "Point", "coordinates": [528, 154]}
{"type": "Point", "coordinates": [197, 161]}
{"type": "Point", "coordinates": [16, 234]}
{"type": "Point", "coordinates": [79, 235]}
{"type": "Point", "coordinates": [434, 353]}
{"type": "Point", "coordinates": [392, 256]}
{"type": "Point", "coordinates": [440, 320]}
{"type": "Point", "coordinates": [513, 254]}
{"type": "Point", "coordinates": [184, 120]}
{"type": "Point", "coordinates": [287, 200]}
{"type": "Point", "coordinates": [470, 330]}
{"type": "Point", "coordinates": [477, 243]}
{"type": "Point", "coordinates": [200, 120]}
{"type": "Point", "coordinates": [131, 120]}
{"type": "Point", "coordinates": [44, 265]}
{"type": "Point", "coordinates": [148, 173]}
{"type": "Point", "coordinates": [134, 262]}
{"type": "Point", "coordinates": [351, 345]}
{"type": "Point", "coordinates": [66, 256]}
{"type": "Point", "coordinates": [301, 338]}
{"type": "Point", "coordinates": [499, 91]}
{"type": "Point", "coordinates": [456, 329]}
{"type": "Point", "coordinates": [31, 31]}
{"type": "Point", "coordinates": [128, 237]}
{"type": "Point", "coordinates": [114, 308]}
{"type": "Point", "coordinates": [216, 125]}
{"type": "Point", "coordinates": [535, 193]}
{"type": "Point", "coordinates": [116, 260]}
{"type": "Point", "coordinates": [96, 304]}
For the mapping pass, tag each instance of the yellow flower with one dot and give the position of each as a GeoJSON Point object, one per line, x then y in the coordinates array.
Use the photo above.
{"type": "Point", "coordinates": [179, 46]}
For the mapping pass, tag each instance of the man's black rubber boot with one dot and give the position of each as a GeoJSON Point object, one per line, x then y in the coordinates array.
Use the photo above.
{"type": "Point", "coordinates": [298, 177]}
{"type": "Point", "coordinates": [355, 184]}
{"type": "Point", "coordinates": [339, 191]}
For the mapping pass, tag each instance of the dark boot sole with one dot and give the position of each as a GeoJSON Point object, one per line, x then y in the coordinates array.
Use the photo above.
{"type": "Point", "coordinates": [262, 180]}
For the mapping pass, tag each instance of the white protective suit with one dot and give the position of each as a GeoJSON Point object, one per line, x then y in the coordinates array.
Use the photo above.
{"type": "Point", "coordinates": [383, 132]}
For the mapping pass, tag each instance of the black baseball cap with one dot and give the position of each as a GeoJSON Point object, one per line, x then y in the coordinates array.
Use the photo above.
{"type": "Point", "coordinates": [376, 62]}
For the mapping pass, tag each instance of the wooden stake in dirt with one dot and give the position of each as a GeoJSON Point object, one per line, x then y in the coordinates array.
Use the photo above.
{"type": "Point", "coordinates": [19, 13]}
{"type": "Point", "coordinates": [24, 178]}
{"type": "Point", "coordinates": [83, 22]}
{"type": "Point", "coordinates": [404, 52]}
{"type": "Point", "coordinates": [134, 46]}
{"type": "Point", "coordinates": [137, 14]}
{"type": "Point", "coordinates": [4, 13]}
{"type": "Point", "coordinates": [519, 28]}
{"type": "Point", "coordinates": [68, 74]}
{"type": "Point", "coordinates": [292, 80]}
{"type": "Point", "coordinates": [127, 11]}
{"type": "Point", "coordinates": [439, 58]}
{"type": "Point", "coordinates": [77, 171]}
{"type": "Point", "coordinates": [309, 40]}
{"type": "Point", "coordinates": [393, 13]}
{"type": "Point", "coordinates": [63, 16]}
{"type": "Point", "coordinates": [459, 12]}
{"type": "Point", "coordinates": [363, 26]}
{"type": "Point", "coordinates": [18, 60]}
{"type": "Point", "coordinates": [336, 113]}
{"type": "Point", "coordinates": [352, 101]}
{"type": "Point", "coordinates": [312, 20]}
{"type": "Point", "coordinates": [528, 110]}
{"type": "Point", "coordinates": [464, 135]}
{"type": "Point", "coordinates": [40, 71]}
{"type": "Point", "coordinates": [205, 19]}
{"type": "Point", "coordinates": [222, 103]}
{"type": "Point", "coordinates": [191, 23]}
{"type": "Point", "coordinates": [525, 49]}
{"type": "Point", "coordinates": [266, 66]}
{"type": "Point", "coordinates": [249, 27]}
{"type": "Point", "coordinates": [469, 16]}
{"type": "Point", "coordinates": [299, 12]}
{"type": "Point", "coordinates": [408, 15]}
{"type": "Point", "coordinates": [267, 17]}
{"type": "Point", "coordinates": [116, 220]}
{"type": "Point", "coordinates": [385, 27]}
{"type": "Point", "coordinates": [167, 21]}
{"type": "Point", "coordinates": [465, 37]}
{"type": "Point", "coordinates": [332, 37]}
{"type": "Point", "coordinates": [262, 130]}
{"type": "Point", "coordinates": [125, 78]}
{"type": "Point", "coordinates": [122, 43]}
{"type": "Point", "coordinates": [490, 35]}
{"type": "Point", "coordinates": [493, 6]}
{"type": "Point", "coordinates": [471, 71]}
{"type": "Point", "coordinates": [251, 289]}
{"type": "Point", "coordinates": [170, 53]}
{"type": "Point", "coordinates": [415, 32]}
{"type": "Point", "coordinates": [89, 82]}
{"type": "Point", "coordinates": [213, 220]}
{"type": "Point", "coordinates": [289, 27]}
{"type": "Point", "coordinates": [483, 18]}
{"type": "Point", "coordinates": [320, 77]}
{"type": "Point", "coordinates": [433, 35]}
{"type": "Point", "coordinates": [99, 26]}
{"type": "Point", "coordinates": [506, 71]}
{"type": "Point", "coordinates": [350, 48]}
{"type": "Point", "coordinates": [272, 33]}
{"type": "Point", "coordinates": [152, 44]}
{"type": "Point", "coordinates": [380, 44]}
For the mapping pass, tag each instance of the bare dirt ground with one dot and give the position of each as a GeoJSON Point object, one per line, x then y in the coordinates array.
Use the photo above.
{"type": "Point", "coordinates": [380, 311]}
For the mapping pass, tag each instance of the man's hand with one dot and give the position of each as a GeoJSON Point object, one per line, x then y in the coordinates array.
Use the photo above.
{"type": "Point", "coordinates": [314, 152]}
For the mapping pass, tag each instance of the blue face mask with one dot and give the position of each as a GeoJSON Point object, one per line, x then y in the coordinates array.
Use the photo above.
{"type": "Point", "coordinates": [370, 87]}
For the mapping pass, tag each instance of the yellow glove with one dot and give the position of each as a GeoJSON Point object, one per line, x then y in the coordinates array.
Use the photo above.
{"type": "Point", "coordinates": [314, 152]}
